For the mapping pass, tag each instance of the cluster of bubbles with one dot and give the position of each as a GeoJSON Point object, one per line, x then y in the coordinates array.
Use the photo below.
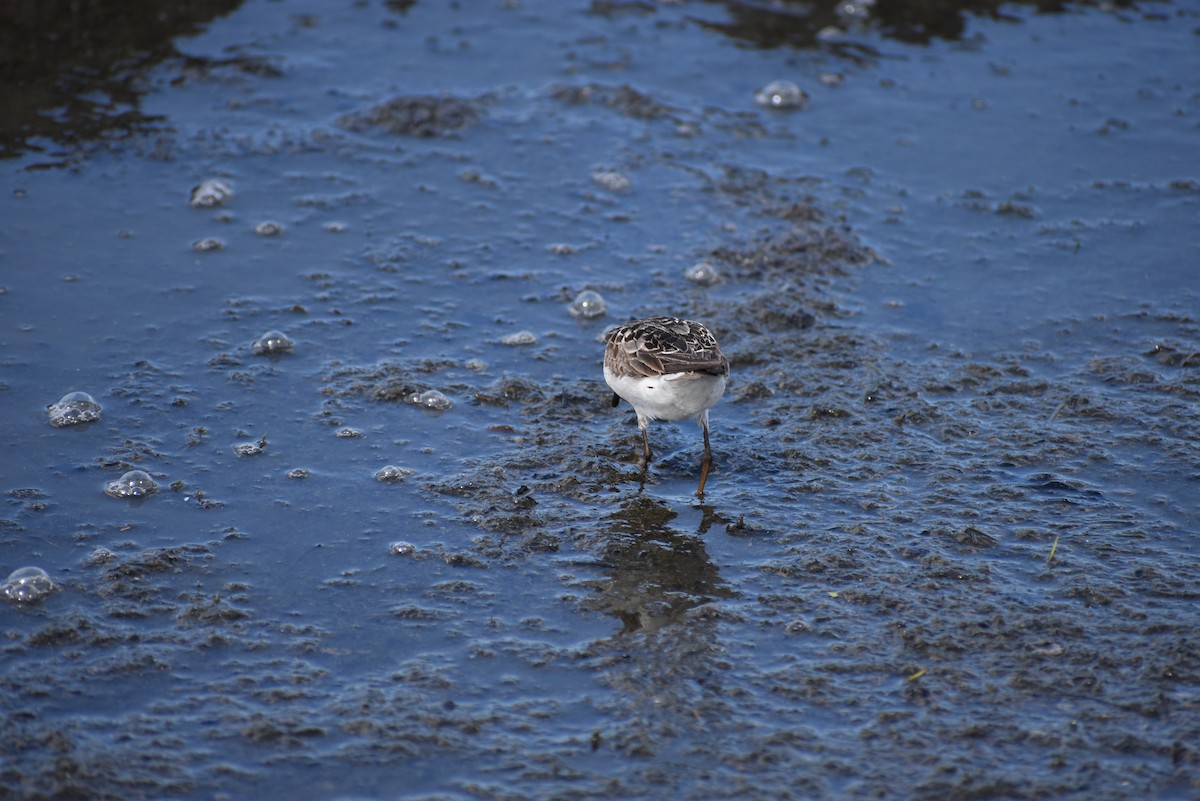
{"type": "Point", "coordinates": [134, 484]}
{"type": "Point", "coordinates": [391, 473]}
{"type": "Point", "coordinates": [851, 10]}
{"type": "Point", "coordinates": [781, 95]}
{"type": "Point", "coordinates": [272, 342]}
{"type": "Point", "coordinates": [402, 549]}
{"type": "Point", "coordinates": [209, 243]}
{"type": "Point", "coordinates": [74, 408]}
{"type": "Point", "coordinates": [519, 338]}
{"type": "Point", "coordinates": [612, 180]}
{"type": "Point", "coordinates": [27, 584]}
{"type": "Point", "coordinates": [100, 556]}
{"type": "Point", "coordinates": [268, 229]}
{"type": "Point", "coordinates": [588, 305]}
{"type": "Point", "coordinates": [703, 274]}
{"type": "Point", "coordinates": [210, 194]}
{"type": "Point", "coordinates": [250, 448]}
{"type": "Point", "coordinates": [431, 399]}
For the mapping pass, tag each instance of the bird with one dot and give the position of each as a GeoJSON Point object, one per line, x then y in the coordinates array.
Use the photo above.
{"type": "Point", "coordinates": [666, 368]}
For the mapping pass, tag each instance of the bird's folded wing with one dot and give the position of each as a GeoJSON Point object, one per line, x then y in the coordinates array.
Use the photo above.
{"type": "Point", "coordinates": [702, 362]}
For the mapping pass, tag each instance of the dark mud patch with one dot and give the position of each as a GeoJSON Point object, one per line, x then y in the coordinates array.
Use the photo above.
{"type": "Point", "coordinates": [624, 99]}
{"type": "Point", "coordinates": [424, 117]}
{"type": "Point", "coordinates": [638, 105]}
{"type": "Point", "coordinates": [388, 381]}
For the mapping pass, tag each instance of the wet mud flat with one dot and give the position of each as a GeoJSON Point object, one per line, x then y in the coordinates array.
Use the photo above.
{"type": "Point", "coordinates": [924, 567]}
{"type": "Point", "coordinates": [412, 553]}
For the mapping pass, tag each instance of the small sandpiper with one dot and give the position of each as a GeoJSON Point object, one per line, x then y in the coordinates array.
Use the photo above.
{"type": "Point", "coordinates": [668, 369]}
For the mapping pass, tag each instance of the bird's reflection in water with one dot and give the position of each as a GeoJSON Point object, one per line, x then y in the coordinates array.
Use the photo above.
{"type": "Point", "coordinates": [666, 661]}
{"type": "Point", "coordinates": [657, 573]}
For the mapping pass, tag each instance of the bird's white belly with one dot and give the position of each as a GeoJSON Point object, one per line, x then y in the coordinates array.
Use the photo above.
{"type": "Point", "coordinates": [675, 396]}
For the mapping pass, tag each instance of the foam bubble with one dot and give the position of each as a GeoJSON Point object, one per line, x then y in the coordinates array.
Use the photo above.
{"type": "Point", "coordinates": [431, 399]}
{"type": "Point", "coordinates": [391, 473]}
{"type": "Point", "coordinates": [589, 304]}
{"type": "Point", "coordinates": [781, 95]}
{"type": "Point", "coordinates": [210, 194]}
{"type": "Point", "coordinates": [272, 342]}
{"type": "Point", "coordinates": [27, 584]}
{"type": "Point", "coordinates": [134, 484]}
{"type": "Point", "coordinates": [74, 408]}
{"type": "Point", "coordinates": [703, 274]}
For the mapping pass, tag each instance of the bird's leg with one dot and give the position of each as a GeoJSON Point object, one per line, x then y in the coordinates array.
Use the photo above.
{"type": "Point", "coordinates": [647, 454]}
{"type": "Point", "coordinates": [706, 458]}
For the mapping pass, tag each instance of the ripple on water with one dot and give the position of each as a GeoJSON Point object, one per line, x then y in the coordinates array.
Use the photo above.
{"type": "Point", "coordinates": [74, 408]}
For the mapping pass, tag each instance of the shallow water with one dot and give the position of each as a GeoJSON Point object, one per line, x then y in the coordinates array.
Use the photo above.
{"type": "Point", "coordinates": [948, 548]}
